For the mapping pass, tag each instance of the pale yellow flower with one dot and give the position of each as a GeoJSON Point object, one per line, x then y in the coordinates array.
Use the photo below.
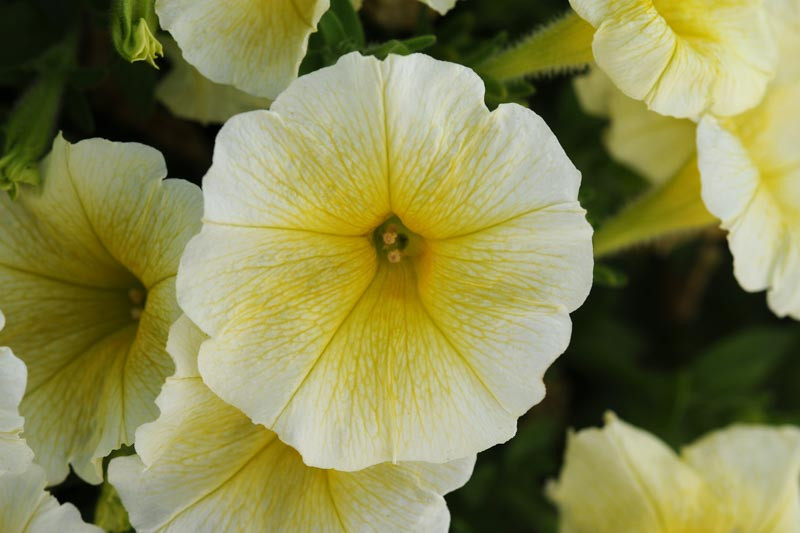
{"type": "Point", "coordinates": [203, 466]}
{"type": "Point", "coordinates": [87, 266]}
{"type": "Point", "coordinates": [190, 95]}
{"type": "Point", "coordinates": [356, 351]}
{"type": "Point", "coordinates": [654, 145]}
{"type": "Point", "coordinates": [742, 479]}
{"type": "Point", "coordinates": [684, 57]}
{"type": "Point", "coordinates": [750, 170]}
{"type": "Point", "coordinates": [254, 45]}
{"type": "Point", "coordinates": [25, 506]}
{"type": "Point", "coordinates": [14, 453]}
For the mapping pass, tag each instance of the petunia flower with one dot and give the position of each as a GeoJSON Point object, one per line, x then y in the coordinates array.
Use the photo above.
{"type": "Point", "coordinates": [15, 455]}
{"type": "Point", "coordinates": [750, 170]}
{"type": "Point", "coordinates": [87, 266]}
{"type": "Point", "coordinates": [684, 58]}
{"type": "Point", "coordinates": [620, 478]}
{"type": "Point", "coordinates": [386, 268]}
{"type": "Point", "coordinates": [190, 95]}
{"type": "Point", "coordinates": [654, 145]}
{"type": "Point", "coordinates": [255, 45]}
{"type": "Point", "coordinates": [24, 504]}
{"type": "Point", "coordinates": [204, 466]}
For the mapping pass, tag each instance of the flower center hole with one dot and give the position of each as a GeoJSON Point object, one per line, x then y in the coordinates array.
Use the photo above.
{"type": "Point", "coordinates": [394, 241]}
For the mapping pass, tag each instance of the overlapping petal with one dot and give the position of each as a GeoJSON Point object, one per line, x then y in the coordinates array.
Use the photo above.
{"type": "Point", "coordinates": [254, 45]}
{"type": "Point", "coordinates": [620, 478]}
{"type": "Point", "coordinates": [654, 145]}
{"type": "Point", "coordinates": [750, 170]}
{"type": "Point", "coordinates": [354, 360]}
{"type": "Point", "coordinates": [26, 507]}
{"type": "Point", "coordinates": [753, 472]}
{"type": "Point", "coordinates": [190, 95]}
{"type": "Point", "coordinates": [88, 266]}
{"type": "Point", "coordinates": [684, 58]}
{"type": "Point", "coordinates": [204, 466]}
{"type": "Point", "coordinates": [15, 455]}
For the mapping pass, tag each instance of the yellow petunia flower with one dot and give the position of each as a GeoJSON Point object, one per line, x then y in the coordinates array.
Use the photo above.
{"type": "Point", "coordinates": [654, 145]}
{"type": "Point", "coordinates": [190, 95]}
{"type": "Point", "coordinates": [24, 504]}
{"type": "Point", "coordinates": [386, 268]}
{"type": "Point", "coordinates": [87, 266]}
{"type": "Point", "coordinates": [204, 466]}
{"type": "Point", "coordinates": [254, 45]}
{"type": "Point", "coordinates": [750, 171]}
{"type": "Point", "coordinates": [684, 58]}
{"type": "Point", "coordinates": [741, 479]}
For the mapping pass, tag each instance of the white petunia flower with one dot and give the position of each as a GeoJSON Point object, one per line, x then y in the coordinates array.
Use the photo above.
{"type": "Point", "coordinates": [386, 268]}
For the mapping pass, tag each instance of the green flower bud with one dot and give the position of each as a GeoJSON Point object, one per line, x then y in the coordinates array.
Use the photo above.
{"type": "Point", "coordinates": [29, 132]}
{"type": "Point", "coordinates": [132, 25]}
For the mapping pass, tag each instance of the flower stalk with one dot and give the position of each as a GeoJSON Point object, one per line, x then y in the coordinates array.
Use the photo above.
{"type": "Point", "coordinates": [563, 45]}
{"type": "Point", "coordinates": [673, 207]}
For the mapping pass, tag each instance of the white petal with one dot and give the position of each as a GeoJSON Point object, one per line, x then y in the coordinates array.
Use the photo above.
{"type": "Point", "coordinates": [754, 471]}
{"type": "Point", "coordinates": [254, 45]}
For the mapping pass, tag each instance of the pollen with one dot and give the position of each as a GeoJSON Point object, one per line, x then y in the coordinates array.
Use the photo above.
{"type": "Point", "coordinates": [395, 256]}
{"type": "Point", "coordinates": [389, 238]}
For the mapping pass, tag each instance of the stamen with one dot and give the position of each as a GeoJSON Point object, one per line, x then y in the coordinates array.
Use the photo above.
{"type": "Point", "coordinates": [389, 238]}
{"type": "Point", "coordinates": [136, 313]}
{"type": "Point", "coordinates": [136, 296]}
{"type": "Point", "coordinates": [395, 256]}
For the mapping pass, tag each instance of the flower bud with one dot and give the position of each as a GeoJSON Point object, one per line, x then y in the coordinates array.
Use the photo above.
{"type": "Point", "coordinates": [132, 25]}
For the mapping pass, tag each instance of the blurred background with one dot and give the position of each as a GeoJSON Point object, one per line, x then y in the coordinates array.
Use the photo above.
{"type": "Point", "coordinates": [667, 339]}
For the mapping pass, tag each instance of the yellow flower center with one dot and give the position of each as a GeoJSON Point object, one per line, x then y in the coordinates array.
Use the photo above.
{"type": "Point", "coordinates": [394, 241]}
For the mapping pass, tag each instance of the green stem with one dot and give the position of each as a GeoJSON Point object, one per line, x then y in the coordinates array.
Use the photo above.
{"type": "Point", "coordinates": [674, 207]}
{"type": "Point", "coordinates": [566, 44]}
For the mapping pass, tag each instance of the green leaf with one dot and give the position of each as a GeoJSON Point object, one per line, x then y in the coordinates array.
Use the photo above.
{"type": "Point", "coordinates": [742, 362]}
{"type": "Point", "coordinates": [348, 18]}
{"type": "Point", "coordinates": [404, 47]}
{"type": "Point", "coordinates": [606, 276]}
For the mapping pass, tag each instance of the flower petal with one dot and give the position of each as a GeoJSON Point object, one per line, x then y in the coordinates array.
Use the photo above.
{"type": "Point", "coordinates": [620, 478]}
{"type": "Point", "coordinates": [754, 471]}
{"type": "Point", "coordinates": [654, 145]}
{"type": "Point", "coordinates": [317, 161]}
{"type": "Point", "coordinates": [684, 58]}
{"type": "Point", "coordinates": [253, 45]}
{"type": "Point", "coordinates": [205, 466]}
{"type": "Point", "coordinates": [15, 455]}
{"type": "Point", "coordinates": [454, 167]}
{"type": "Point", "coordinates": [750, 172]}
{"type": "Point", "coordinates": [26, 506]}
{"type": "Point", "coordinates": [190, 95]}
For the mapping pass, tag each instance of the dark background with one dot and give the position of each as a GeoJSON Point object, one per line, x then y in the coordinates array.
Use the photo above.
{"type": "Point", "coordinates": [667, 339]}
